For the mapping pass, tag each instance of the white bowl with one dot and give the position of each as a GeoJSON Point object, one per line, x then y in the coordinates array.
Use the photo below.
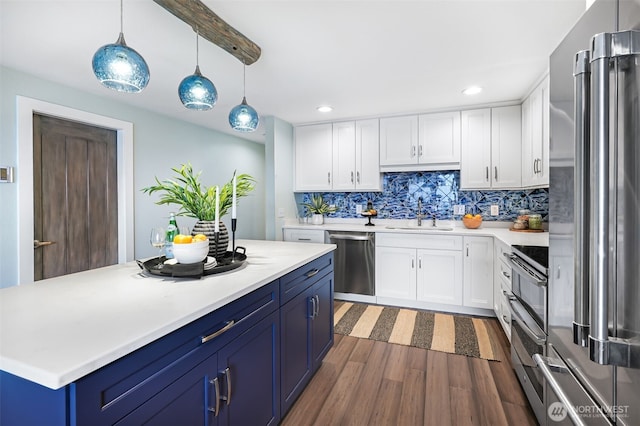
{"type": "Point", "coordinates": [191, 253]}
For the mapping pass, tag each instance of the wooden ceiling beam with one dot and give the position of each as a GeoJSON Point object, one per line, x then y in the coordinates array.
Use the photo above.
{"type": "Point", "coordinates": [213, 28]}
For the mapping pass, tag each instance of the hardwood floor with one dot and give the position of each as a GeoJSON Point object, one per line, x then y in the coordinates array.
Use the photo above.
{"type": "Point", "coordinates": [365, 382]}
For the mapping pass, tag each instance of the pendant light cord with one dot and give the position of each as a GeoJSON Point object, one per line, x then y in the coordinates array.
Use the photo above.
{"type": "Point", "coordinates": [244, 79]}
{"type": "Point", "coordinates": [121, 18]}
{"type": "Point", "coordinates": [197, 48]}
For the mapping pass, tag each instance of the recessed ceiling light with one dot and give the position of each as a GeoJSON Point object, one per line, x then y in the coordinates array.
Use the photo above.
{"type": "Point", "coordinates": [324, 108]}
{"type": "Point", "coordinates": [473, 90]}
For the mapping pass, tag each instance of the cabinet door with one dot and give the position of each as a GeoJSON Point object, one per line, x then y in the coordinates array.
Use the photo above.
{"type": "Point", "coordinates": [527, 141]}
{"type": "Point", "coordinates": [440, 276]}
{"type": "Point", "coordinates": [186, 401]}
{"type": "Point", "coordinates": [322, 322]}
{"type": "Point", "coordinates": [295, 348]}
{"type": "Point", "coordinates": [506, 147]}
{"type": "Point", "coordinates": [249, 371]}
{"type": "Point", "coordinates": [475, 161]}
{"type": "Point", "coordinates": [313, 157]}
{"type": "Point", "coordinates": [478, 272]}
{"type": "Point", "coordinates": [439, 139]}
{"type": "Point", "coordinates": [344, 155]}
{"type": "Point", "coordinates": [396, 272]}
{"type": "Point", "coordinates": [399, 140]}
{"type": "Point", "coordinates": [368, 155]}
{"type": "Point", "coordinates": [543, 150]}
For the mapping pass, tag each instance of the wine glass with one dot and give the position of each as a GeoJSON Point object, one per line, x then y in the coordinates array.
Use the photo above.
{"type": "Point", "coordinates": [157, 240]}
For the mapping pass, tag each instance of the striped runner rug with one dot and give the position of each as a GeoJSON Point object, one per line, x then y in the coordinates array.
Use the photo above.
{"type": "Point", "coordinates": [436, 331]}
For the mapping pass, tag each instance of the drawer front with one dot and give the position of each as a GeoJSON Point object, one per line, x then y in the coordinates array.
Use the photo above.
{"type": "Point", "coordinates": [422, 241]}
{"type": "Point", "coordinates": [504, 272]}
{"type": "Point", "coordinates": [304, 235]}
{"type": "Point", "coordinates": [297, 281]}
{"type": "Point", "coordinates": [114, 390]}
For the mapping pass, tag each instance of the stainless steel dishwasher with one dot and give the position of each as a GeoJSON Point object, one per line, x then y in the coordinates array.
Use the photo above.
{"type": "Point", "coordinates": [354, 268]}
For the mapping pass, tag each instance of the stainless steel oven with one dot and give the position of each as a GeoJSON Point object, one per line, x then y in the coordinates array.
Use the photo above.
{"type": "Point", "coordinates": [528, 305]}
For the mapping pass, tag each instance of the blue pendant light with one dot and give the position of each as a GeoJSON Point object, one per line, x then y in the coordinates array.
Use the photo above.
{"type": "Point", "coordinates": [119, 67]}
{"type": "Point", "coordinates": [197, 91]}
{"type": "Point", "coordinates": [243, 118]}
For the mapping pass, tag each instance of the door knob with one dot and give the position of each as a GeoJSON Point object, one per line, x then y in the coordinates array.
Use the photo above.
{"type": "Point", "coordinates": [38, 244]}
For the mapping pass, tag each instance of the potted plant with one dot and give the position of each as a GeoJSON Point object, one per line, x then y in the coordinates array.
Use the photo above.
{"type": "Point", "coordinates": [198, 201]}
{"type": "Point", "coordinates": [318, 208]}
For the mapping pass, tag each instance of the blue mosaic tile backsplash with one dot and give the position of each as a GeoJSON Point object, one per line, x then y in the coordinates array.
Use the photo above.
{"type": "Point", "coordinates": [439, 191]}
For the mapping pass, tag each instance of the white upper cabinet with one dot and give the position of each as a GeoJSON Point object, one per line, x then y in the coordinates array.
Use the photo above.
{"type": "Point", "coordinates": [476, 149]}
{"type": "Point", "coordinates": [491, 148]}
{"type": "Point", "coordinates": [506, 147]}
{"type": "Point", "coordinates": [313, 157]}
{"type": "Point", "coordinates": [439, 140]}
{"type": "Point", "coordinates": [398, 141]}
{"type": "Point", "coordinates": [368, 176]}
{"type": "Point", "coordinates": [425, 142]}
{"type": "Point", "coordinates": [344, 155]}
{"type": "Point", "coordinates": [535, 137]}
{"type": "Point", "coordinates": [338, 157]}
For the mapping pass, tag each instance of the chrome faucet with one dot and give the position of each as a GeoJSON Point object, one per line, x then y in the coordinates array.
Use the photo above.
{"type": "Point", "coordinates": [419, 216]}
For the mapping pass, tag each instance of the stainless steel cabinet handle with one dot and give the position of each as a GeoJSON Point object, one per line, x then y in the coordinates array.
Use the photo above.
{"type": "Point", "coordinates": [420, 263]}
{"type": "Point", "coordinates": [313, 307]}
{"type": "Point", "coordinates": [317, 298]}
{"type": "Point", "coordinates": [413, 263]}
{"type": "Point", "coordinates": [227, 381]}
{"type": "Point", "coordinates": [487, 173]}
{"type": "Point", "coordinates": [224, 329]}
{"type": "Point", "coordinates": [467, 250]}
{"type": "Point", "coordinates": [349, 237]}
{"type": "Point", "coordinates": [505, 319]}
{"type": "Point", "coordinates": [216, 386]}
{"type": "Point", "coordinates": [357, 177]}
{"type": "Point", "coordinates": [543, 365]}
{"type": "Point", "coordinates": [506, 274]}
{"type": "Point", "coordinates": [419, 150]}
{"type": "Point", "coordinates": [328, 177]}
{"type": "Point", "coordinates": [312, 272]}
{"type": "Point", "coordinates": [304, 239]}
{"type": "Point", "coordinates": [352, 177]}
{"type": "Point", "coordinates": [413, 151]}
{"type": "Point", "coordinates": [495, 173]}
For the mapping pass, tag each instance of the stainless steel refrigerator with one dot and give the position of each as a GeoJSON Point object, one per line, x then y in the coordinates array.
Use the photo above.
{"type": "Point", "coordinates": [592, 365]}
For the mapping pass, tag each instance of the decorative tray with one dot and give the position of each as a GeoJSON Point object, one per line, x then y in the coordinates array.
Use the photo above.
{"type": "Point", "coordinates": [230, 261]}
{"type": "Point", "coordinates": [525, 230]}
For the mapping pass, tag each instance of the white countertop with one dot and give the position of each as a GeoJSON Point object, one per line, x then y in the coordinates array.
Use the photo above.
{"type": "Point", "coordinates": [55, 331]}
{"type": "Point", "coordinates": [499, 230]}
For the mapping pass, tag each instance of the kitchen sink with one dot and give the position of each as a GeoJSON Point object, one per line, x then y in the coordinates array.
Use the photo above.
{"type": "Point", "coordinates": [422, 228]}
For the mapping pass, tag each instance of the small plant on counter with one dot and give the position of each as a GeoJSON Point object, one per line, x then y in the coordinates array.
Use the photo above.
{"type": "Point", "coordinates": [318, 208]}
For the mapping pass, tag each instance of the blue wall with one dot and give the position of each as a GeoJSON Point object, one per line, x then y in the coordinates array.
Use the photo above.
{"type": "Point", "coordinates": [439, 192]}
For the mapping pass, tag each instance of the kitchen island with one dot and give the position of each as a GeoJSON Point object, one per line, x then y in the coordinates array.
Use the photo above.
{"type": "Point", "coordinates": [110, 339]}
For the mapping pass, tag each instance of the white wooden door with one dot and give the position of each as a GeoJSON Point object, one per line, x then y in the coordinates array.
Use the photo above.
{"type": "Point", "coordinates": [368, 155]}
{"type": "Point", "coordinates": [439, 276]}
{"type": "Point", "coordinates": [399, 140]}
{"type": "Point", "coordinates": [344, 156]}
{"type": "Point", "coordinates": [478, 272]}
{"type": "Point", "coordinates": [475, 161]}
{"type": "Point", "coordinates": [313, 157]}
{"type": "Point", "coordinates": [439, 139]}
{"type": "Point", "coordinates": [396, 272]}
{"type": "Point", "coordinates": [506, 147]}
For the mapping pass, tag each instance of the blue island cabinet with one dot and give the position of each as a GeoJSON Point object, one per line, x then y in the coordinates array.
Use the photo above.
{"type": "Point", "coordinates": [306, 320]}
{"type": "Point", "coordinates": [226, 368]}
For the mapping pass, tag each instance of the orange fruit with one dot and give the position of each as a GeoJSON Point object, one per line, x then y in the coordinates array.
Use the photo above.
{"type": "Point", "coordinates": [199, 237]}
{"type": "Point", "coordinates": [182, 239]}
{"type": "Point", "coordinates": [468, 215]}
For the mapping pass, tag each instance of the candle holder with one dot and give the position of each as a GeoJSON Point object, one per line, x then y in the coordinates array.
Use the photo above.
{"type": "Point", "coordinates": [233, 239]}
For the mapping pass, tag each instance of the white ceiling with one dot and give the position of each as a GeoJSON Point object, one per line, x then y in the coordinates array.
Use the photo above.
{"type": "Point", "coordinates": [365, 58]}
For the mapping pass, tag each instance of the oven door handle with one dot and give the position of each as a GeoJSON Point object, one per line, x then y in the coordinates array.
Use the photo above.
{"type": "Point", "coordinates": [522, 269]}
{"type": "Point", "coordinates": [528, 325]}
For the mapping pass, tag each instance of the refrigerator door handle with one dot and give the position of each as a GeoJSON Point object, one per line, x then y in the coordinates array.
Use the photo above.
{"type": "Point", "coordinates": [603, 348]}
{"type": "Point", "coordinates": [582, 93]}
{"type": "Point", "coordinates": [543, 364]}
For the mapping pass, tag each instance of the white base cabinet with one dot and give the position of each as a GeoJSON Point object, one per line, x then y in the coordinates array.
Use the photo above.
{"type": "Point", "coordinates": [396, 272]}
{"type": "Point", "coordinates": [502, 285]}
{"type": "Point", "coordinates": [478, 272]}
{"type": "Point", "coordinates": [440, 276]}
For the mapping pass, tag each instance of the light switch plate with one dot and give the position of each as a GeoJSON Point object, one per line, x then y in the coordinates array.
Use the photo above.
{"type": "Point", "coordinates": [6, 174]}
{"type": "Point", "coordinates": [458, 209]}
{"type": "Point", "coordinates": [495, 211]}
{"type": "Point", "coordinates": [280, 212]}
{"type": "Point", "coordinates": [358, 208]}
